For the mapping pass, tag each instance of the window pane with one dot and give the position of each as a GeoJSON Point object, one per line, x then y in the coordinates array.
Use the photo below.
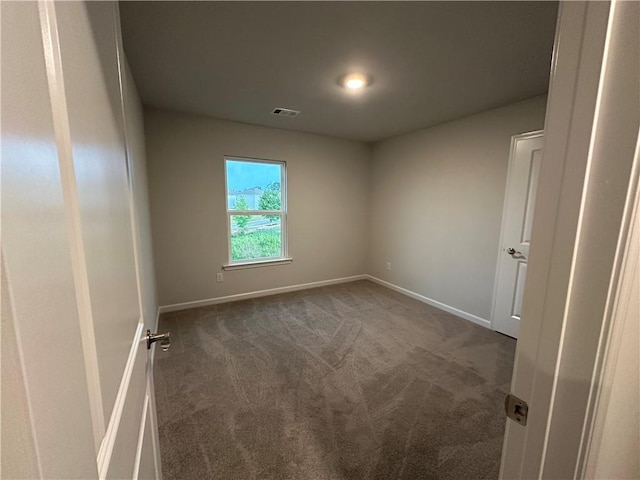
{"type": "Point", "coordinates": [253, 185]}
{"type": "Point", "coordinates": [255, 237]}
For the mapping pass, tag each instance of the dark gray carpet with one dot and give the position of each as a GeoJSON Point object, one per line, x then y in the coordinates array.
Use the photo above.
{"type": "Point", "coordinates": [352, 381]}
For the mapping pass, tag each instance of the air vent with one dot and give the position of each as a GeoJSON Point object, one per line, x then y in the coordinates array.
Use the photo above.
{"type": "Point", "coordinates": [285, 112]}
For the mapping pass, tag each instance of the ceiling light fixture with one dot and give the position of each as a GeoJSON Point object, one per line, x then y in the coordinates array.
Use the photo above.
{"type": "Point", "coordinates": [355, 81]}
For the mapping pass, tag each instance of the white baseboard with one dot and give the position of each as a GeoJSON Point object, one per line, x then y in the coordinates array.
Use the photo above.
{"type": "Point", "coordinates": [303, 286]}
{"type": "Point", "coordinates": [260, 293]}
{"type": "Point", "coordinates": [434, 303]}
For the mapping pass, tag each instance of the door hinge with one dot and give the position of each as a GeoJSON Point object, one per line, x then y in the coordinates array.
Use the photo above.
{"type": "Point", "coordinates": [516, 409]}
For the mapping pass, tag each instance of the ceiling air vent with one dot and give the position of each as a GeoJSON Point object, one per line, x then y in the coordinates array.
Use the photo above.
{"type": "Point", "coordinates": [285, 112]}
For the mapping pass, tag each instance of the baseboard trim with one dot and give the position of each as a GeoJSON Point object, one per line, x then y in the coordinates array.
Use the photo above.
{"type": "Point", "coordinates": [303, 286]}
{"type": "Point", "coordinates": [259, 293]}
{"type": "Point", "coordinates": [434, 303]}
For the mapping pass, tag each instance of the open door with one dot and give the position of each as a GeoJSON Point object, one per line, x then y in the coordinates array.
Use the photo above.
{"type": "Point", "coordinates": [71, 276]}
{"type": "Point", "coordinates": [515, 239]}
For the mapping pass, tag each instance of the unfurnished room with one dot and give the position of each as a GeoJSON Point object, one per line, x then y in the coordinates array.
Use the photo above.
{"type": "Point", "coordinates": [320, 240]}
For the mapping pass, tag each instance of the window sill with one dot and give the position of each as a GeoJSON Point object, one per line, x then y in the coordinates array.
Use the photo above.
{"type": "Point", "coordinates": [260, 263]}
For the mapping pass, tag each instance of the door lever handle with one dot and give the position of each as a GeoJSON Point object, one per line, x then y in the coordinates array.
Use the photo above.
{"type": "Point", "coordinates": [164, 338]}
{"type": "Point", "coordinates": [514, 253]}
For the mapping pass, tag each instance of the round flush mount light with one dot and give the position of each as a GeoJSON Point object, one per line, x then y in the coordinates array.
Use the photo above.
{"type": "Point", "coordinates": [355, 81]}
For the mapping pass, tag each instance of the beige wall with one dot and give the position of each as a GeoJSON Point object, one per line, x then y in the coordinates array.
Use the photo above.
{"type": "Point", "coordinates": [327, 214]}
{"type": "Point", "coordinates": [437, 197]}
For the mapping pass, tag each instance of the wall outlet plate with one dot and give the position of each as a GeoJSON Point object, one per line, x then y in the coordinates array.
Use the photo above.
{"type": "Point", "coordinates": [219, 277]}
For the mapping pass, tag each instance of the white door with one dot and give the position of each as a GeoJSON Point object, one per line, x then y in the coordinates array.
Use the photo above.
{"type": "Point", "coordinates": [69, 246]}
{"type": "Point", "coordinates": [520, 198]}
{"type": "Point", "coordinates": [45, 387]}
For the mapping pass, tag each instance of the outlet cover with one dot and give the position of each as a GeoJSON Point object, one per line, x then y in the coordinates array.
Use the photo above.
{"type": "Point", "coordinates": [219, 277]}
{"type": "Point", "coordinates": [388, 268]}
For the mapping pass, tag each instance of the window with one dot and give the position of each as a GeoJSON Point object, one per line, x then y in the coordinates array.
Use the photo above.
{"type": "Point", "coordinates": [256, 211]}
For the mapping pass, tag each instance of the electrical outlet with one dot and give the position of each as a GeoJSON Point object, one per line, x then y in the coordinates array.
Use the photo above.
{"type": "Point", "coordinates": [388, 266]}
{"type": "Point", "coordinates": [219, 277]}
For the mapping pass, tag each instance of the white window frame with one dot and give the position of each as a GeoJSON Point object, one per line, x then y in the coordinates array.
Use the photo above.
{"type": "Point", "coordinates": [260, 262]}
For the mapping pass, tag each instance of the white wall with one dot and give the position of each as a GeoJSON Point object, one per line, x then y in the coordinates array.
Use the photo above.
{"type": "Point", "coordinates": [327, 205]}
{"type": "Point", "coordinates": [437, 197]}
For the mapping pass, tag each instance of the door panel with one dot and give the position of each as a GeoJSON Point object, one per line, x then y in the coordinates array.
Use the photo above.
{"type": "Point", "coordinates": [521, 275]}
{"type": "Point", "coordinates": [36, 250]}
{"type": "Point", "coordinates": [123, 457]}
{"type": "Point", "coordinates": [522, 181]}
{"type": "Point", "coordinates": [534, 173]}
{"type": "Point", "coordinates": [146, 464]}
{"type": "Point", "coordinates": [89, 61]}
{"type": "Point", "coordinates": [18, 455]}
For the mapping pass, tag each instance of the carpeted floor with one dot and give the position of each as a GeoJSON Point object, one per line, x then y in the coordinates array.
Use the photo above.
{"type": "Point", "coordinates": [352, 381]}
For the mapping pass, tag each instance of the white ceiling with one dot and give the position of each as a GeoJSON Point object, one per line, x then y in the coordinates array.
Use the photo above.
{"type": "Point", "coordinates": [431, 61]}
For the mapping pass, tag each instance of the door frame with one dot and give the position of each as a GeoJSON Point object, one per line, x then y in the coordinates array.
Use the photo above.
{"type": "Point", "coordinates": [514, 142]}
{"type": "Point", "coordinates": [576, 252]}
{"type": "Point", "coordinates": [615, 350]}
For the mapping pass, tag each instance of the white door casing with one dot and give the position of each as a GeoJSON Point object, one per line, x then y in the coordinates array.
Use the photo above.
{"type": "Point", "coordinates": [613, 441]}
{"type": "Point", "coordinates": [520, 196]}
{"type": "Point", "coordinates": [69, 247]}
{"type": "Point", "coordinates": [581, 222]}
